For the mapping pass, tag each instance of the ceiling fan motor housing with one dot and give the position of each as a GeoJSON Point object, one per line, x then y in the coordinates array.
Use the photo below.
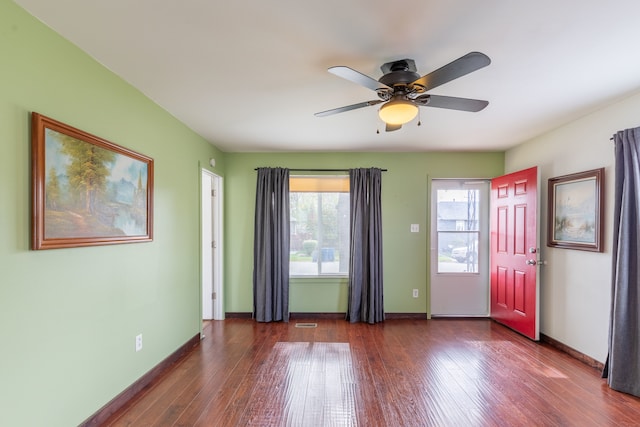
{"type": "Point", "coordinates": [399, 74]}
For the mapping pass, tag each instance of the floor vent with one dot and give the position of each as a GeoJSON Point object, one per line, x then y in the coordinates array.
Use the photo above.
{"type": "Point", "coordinates": [306, 325]}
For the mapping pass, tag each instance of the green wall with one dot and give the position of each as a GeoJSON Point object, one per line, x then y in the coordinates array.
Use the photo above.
{"type": "Point", "coordinates": [404, 199]}
{"type": "Point", "coordinates": [68, 317]}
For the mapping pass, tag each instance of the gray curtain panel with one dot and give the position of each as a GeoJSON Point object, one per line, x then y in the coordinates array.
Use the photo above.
{"type": "Point", "coordinates": [365, 300]}
{"type": "Point", "coordinates": [622, 368]}
{"type": "Point", "coordinates": [271, 246]}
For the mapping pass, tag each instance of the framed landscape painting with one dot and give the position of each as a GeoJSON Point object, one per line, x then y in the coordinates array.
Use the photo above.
{"type": "Point", "coordinates": [86, 191]}
{"type": "Point", "coordinates": [576, 211]}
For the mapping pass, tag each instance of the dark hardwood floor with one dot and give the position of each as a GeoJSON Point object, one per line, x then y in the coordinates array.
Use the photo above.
{"type": "Point", "coordinates": [402, 372]}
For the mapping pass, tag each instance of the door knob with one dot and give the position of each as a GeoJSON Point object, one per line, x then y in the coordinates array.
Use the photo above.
{"type": "Point", "coordinates": [532, 262]}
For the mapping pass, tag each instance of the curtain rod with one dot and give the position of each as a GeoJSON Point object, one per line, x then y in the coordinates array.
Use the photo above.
{"type": "Point", "coordinates": [321, 170]}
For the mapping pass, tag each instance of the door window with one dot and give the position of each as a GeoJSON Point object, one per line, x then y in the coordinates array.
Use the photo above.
{"type": "Point", "coordinates": [458, 227]}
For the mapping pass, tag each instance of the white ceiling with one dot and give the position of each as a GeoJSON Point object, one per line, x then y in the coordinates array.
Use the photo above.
{"type": "Point", "coordinates": [248, 75]}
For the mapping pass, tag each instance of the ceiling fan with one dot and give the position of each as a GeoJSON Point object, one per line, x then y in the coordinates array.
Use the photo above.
{"type": "Point", "coordinates": [403, 90]}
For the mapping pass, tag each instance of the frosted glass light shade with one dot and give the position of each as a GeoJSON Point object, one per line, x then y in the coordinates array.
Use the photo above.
{"type": "Point", "coordinates": [398, 112]}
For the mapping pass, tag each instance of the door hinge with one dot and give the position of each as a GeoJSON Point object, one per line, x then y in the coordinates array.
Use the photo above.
{"type": "Point", "coordinates": [213, 192]}
{"type": "Point", "coordinates": [213, 296]}
{"type": "Point", "coordinates": [213, 245]}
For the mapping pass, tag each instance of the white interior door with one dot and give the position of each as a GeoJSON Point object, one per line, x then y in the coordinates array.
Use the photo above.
{"type": "Point", "coordinates": [211, 217]}
{"type": "Point", "coordinates": [459, 247]}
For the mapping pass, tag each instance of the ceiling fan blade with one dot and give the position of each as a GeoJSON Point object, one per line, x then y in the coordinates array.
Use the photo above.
{"type": "Point", "coordinates": [391, 128]}
{"type": "Point", "coordinates": [357, 77]}
{"type": "Point", "coordinates": [348, 108]}
{"type": "Point", "coordinates": [464, 65]}
{"type": "Point", "coordinates": [451, 103]}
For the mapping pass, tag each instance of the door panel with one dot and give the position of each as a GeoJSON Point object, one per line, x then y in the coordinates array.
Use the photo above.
{"type": "Point", "coordinates": [502, 287]}
{"type": "Point", "coordinates": [207, 247]}
{"type": "Point", "coordinates": [514, 250]}
{"type": "Point", "coordinates": [211, 250]}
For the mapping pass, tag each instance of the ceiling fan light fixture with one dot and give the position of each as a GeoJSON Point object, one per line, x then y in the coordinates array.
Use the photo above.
{"type": "Point", "coordinates": [398, 112]}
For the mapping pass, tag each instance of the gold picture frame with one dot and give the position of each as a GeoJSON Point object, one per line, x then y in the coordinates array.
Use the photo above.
{"type": "Point", "coordinates": [85, 190]}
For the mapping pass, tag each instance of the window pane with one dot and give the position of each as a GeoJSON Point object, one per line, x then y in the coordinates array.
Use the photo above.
{"type": "Point", "coordinates": [319, 233]}
{"type": "Point", "coordinates": [458, 210]}
{"type": "Point", "coordinates": [458, 224]}
{"type": "Point", "coordinates": [457, 252]}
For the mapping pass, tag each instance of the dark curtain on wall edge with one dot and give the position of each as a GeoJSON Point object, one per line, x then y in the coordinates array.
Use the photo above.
{"type": "Point", "coordinates": [271, 246]}
{"type": "Point", "coordinates": [622, 368]}
{"type": "Point", "coordinates": [365, 299]}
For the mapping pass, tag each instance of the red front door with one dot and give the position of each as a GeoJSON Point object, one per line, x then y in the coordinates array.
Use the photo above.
{"type": "Point", "coordinates": [514, 251]}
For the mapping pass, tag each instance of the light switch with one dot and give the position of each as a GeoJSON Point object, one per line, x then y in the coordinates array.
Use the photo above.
{"type": "Point", "coordinates": [415, 228]}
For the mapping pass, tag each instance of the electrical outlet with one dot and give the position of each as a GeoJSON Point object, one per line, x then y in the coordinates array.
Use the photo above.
{"type": "Point", "coordinates": [415, 228]}
{"type": "Point", "coordinates": [415, 293]}
{"type": "Point", "coordinates": [138, 342]}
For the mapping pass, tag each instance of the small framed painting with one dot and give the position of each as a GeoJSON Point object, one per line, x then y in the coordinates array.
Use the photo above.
{"type": "Point", "coordinates": [86, 191]}
{"type": "Point", "coordinates": [576, 211]}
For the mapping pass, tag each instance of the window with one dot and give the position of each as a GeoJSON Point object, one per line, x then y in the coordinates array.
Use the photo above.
{"type": "Point", "coordinates": [319, 244]}
{"type": "Point", "coordinates": [458, 220]}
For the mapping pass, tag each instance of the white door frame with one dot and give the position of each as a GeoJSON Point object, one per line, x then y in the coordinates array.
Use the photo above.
{"type": "Point", "coordinates": [211, 252]}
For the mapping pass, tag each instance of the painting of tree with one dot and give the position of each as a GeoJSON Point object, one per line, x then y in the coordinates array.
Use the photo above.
{"type": "Point", "coordinates": [87, 170]}
{"type": "Point", "coordinates": [94, 192]}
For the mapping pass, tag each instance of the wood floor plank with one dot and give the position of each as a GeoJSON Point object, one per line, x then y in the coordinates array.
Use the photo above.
{"type": "Point", "coordinates": [207, 382]}
{"type": "Point", "coordinates": [403, 372]}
